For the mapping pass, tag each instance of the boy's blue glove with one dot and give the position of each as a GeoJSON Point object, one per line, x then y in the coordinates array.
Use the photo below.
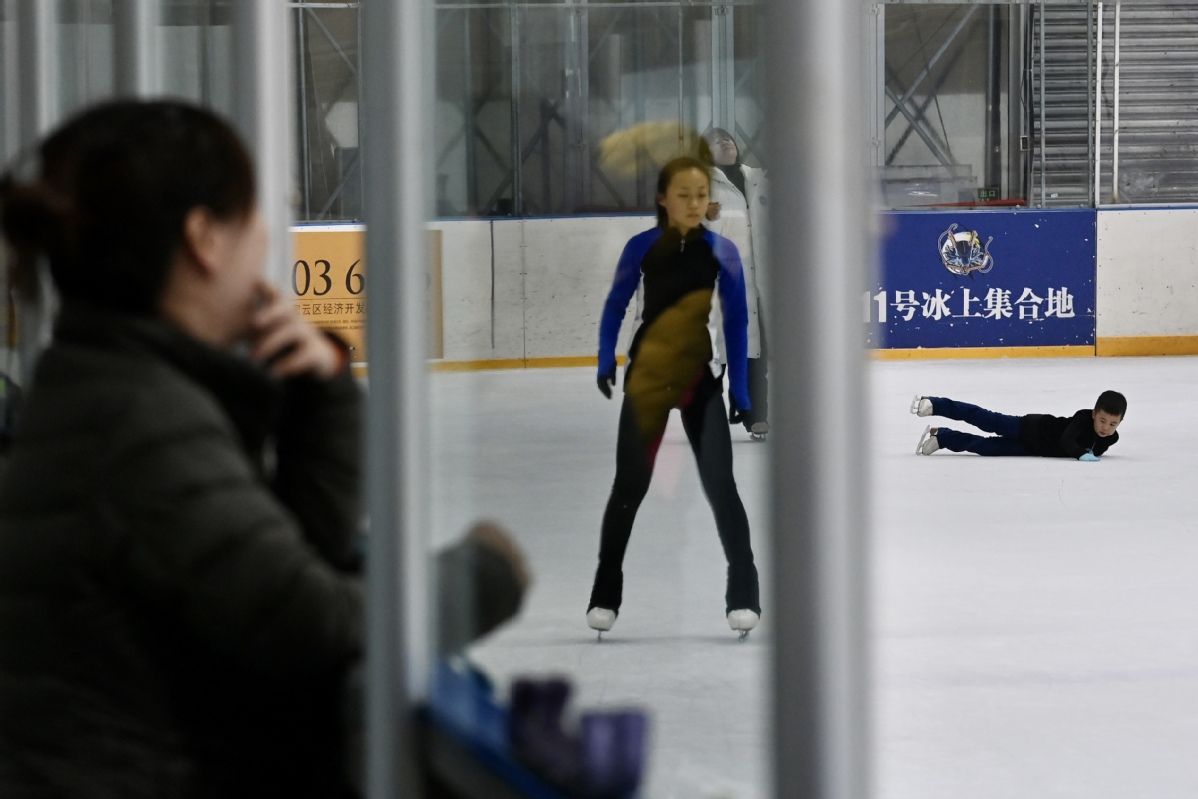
{"type": "Point", "coordinates": [1089, 457]}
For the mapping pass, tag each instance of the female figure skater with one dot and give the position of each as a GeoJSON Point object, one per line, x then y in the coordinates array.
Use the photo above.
{"type": "Point", "coordinates": [676, 268]}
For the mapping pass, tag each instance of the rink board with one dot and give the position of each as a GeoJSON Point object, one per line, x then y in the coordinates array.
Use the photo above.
{"type": "Point", "coordinates": [1028, 280]}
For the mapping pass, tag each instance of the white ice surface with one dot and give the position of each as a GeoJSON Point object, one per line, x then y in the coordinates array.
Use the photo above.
{"type": "Point", "coordinates": [1035, 620]}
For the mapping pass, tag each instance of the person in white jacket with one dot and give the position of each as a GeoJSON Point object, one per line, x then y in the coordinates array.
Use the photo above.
{"type": "Point", "coordinates": [738, 211]}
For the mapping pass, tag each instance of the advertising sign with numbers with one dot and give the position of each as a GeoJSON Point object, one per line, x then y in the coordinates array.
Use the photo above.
{"type": "Point", "coordinates": [984, 279]}
{"type": "Point", "coordinates": [328, 276]}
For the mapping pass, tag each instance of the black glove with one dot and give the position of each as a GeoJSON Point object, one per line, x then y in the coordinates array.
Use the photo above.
{"type": "Point", "coordinates": [605, 382]}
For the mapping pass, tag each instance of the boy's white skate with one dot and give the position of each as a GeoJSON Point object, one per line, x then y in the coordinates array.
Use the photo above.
{"type": "Point", "coordinates": [927, 442]}
{"type": "Point", "coordinates": [759, 430]}
{"type": "Point", "coordinates": [601, 620]}
{"type": "Point", "coordinates": [921, 406]}
{"type": "Point", "coordinates": [742, 621]}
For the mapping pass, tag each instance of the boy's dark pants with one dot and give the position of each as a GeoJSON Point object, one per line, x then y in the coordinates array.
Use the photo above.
{"type": "Point", "coordinates": [1005, 428]}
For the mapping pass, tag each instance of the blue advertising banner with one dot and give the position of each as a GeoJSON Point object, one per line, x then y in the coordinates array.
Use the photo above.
{"type": "Point", "coordinates": [1011, 278]}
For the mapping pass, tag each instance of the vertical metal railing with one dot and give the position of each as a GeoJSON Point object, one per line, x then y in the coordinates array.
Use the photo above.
{"type": "Point", "coordinates": [262, 61]}
{"type": "Point", "coordinates": [1098, 111]}
{"type": "Point", "coordinates": [37, 73]}
{"type": "Point", "coordinates": [135, 47]}
{"type": "Point", "coordinates": [820, 688]}
{"type": "Point", "coordinates": [1017, 142]}
{"type": "Point", "coordinates": [1115, 106]}
{"type": "Point", "coordinates": [301, 96]}
{"type": "Point", "coordinates": [1043, 138]}
{"type": "Point", "coordinates": [1090, 191]}
{"type": "Point", "coordinates": [396, 102]}
{"type": "Point", "coordinates": [876, 77]}
{"type": "Point", "coordinates": [516, 15]}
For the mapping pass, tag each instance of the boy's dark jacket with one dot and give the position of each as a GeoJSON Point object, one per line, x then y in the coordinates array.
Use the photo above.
{"type": "Point", "coordinates": [1058, 437]}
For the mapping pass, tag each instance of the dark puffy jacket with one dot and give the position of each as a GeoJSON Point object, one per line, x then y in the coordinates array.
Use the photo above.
{"type": "Point", "coordinates": [1060, 437]}
{"type": "Point", "coordinates": [178, 604]}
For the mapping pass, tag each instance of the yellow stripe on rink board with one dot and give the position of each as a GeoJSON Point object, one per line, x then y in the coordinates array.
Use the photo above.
{"type": "Point", "coordinates": [1108, 346]}
{"type": "Point", "coordinates": [962, 353]}
{"type": "Point", "coordinates": [1148, 345]}
{"type": "Point", "coordinates": [517, 363]}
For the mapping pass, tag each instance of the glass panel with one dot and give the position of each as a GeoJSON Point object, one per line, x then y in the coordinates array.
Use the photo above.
{"type": "Point", "coordinates": [10, 133]}
{"type": "Point", "coordinates": [552, 123]}
{"type": "Point", "coordinates": [538, 49]}
{"type": "Point", "coordinates": [946, 104]}
{"type": "Point", "coordinates": [633, 62]}
{"type": "Point", "coordinates": [474, 120]}
{"type": "Point", "coordinates": [328, 74]}
{"type": "Point", "coordinates": [1151, 93]}
{"type": "Point", "coordinates": [748, 86]}
{"type": "Point", "coordinates": [85, 52]}
{"type": "Point", "coordinates": [195, 51]}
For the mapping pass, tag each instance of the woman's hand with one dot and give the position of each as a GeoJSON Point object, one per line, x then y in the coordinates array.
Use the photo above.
{"type": "Point", "coordinates": [286, 344]}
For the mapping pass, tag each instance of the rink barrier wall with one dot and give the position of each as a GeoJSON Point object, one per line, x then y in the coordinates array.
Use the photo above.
{"type": "Point", "coordinates": [528, 293]}
{"type": "Point", "coordinates": [982, 279]}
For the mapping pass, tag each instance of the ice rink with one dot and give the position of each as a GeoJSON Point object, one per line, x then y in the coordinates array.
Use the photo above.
{"type": "Point", "coordinates": [1035, 621]}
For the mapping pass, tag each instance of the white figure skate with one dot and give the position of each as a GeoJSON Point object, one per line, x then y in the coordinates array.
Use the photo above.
{"type": "Point", "coordinates": [742, 621]}
{"type": "Point", "coordinates": [600, 620]}
{"type": "Point", "coordinates": [927, 442]}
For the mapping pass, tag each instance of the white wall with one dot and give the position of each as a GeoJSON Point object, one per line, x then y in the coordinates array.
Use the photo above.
{"type": "Point", "coordinates": [529, 288]}
{"type": "Point", "coordinates": [1147, 282]}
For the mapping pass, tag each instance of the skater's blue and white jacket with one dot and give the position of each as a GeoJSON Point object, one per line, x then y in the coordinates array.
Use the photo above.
{"type": "Point", "coordinates": [729, 287]}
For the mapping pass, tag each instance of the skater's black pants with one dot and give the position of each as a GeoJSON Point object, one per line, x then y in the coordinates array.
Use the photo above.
{"type": "Point", "coordinates": [706, 429]}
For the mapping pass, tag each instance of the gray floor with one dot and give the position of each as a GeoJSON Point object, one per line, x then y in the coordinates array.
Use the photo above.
{"type": "Point", "coordinates": [1035, 620]}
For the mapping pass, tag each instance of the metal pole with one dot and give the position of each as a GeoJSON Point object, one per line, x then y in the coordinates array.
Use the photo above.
{"type": "Point", "coordinates": [1098, 113]}
{"type": "Point", "coordinates": [681, 82]}
{"type": "Point", "coordinates": [1026, 95]}
{"type": "Point", "coordinates": [993, 135]}
{"type": "Point", "coordinates": [878, 76]}
{"type": "Point", "coordinates": [1115, 117]}
{"type": "Point", "coordinates": [582, 143]}
{"type": "Point", "coordinates": [262, 59]}
{"type": "Point", "coordinates": [719, 97]}
{"type": "Point", "coordinates": [472, 198]}
{"type": "Point", "coordinates": [728, 66]}
{"type": "Point", "coordinates": [1014, 106]}
{"type": "Point", "coordinates": [820, 658]}
{"type": "Point", "coordinates": [1089, 93]}
{"type": "Point", "coordinates": [135, 47]}
{"type": "Point", "coordinates": [10, 92]}
{"type": "Point", "coordinates": [395, 111]}
{"type": "Point", "coordinates": [574, 57]}
{"type": "Point", "coordinates": [38, 70]}
{"type": "Point", "coordinates": [517, 207]}
{"type": "Point", "coordinates": [1043, 132]}
{"type": "Point", "coordinates": [38, 104]}
{"type": "Point", "coordinates": [301, 96]}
